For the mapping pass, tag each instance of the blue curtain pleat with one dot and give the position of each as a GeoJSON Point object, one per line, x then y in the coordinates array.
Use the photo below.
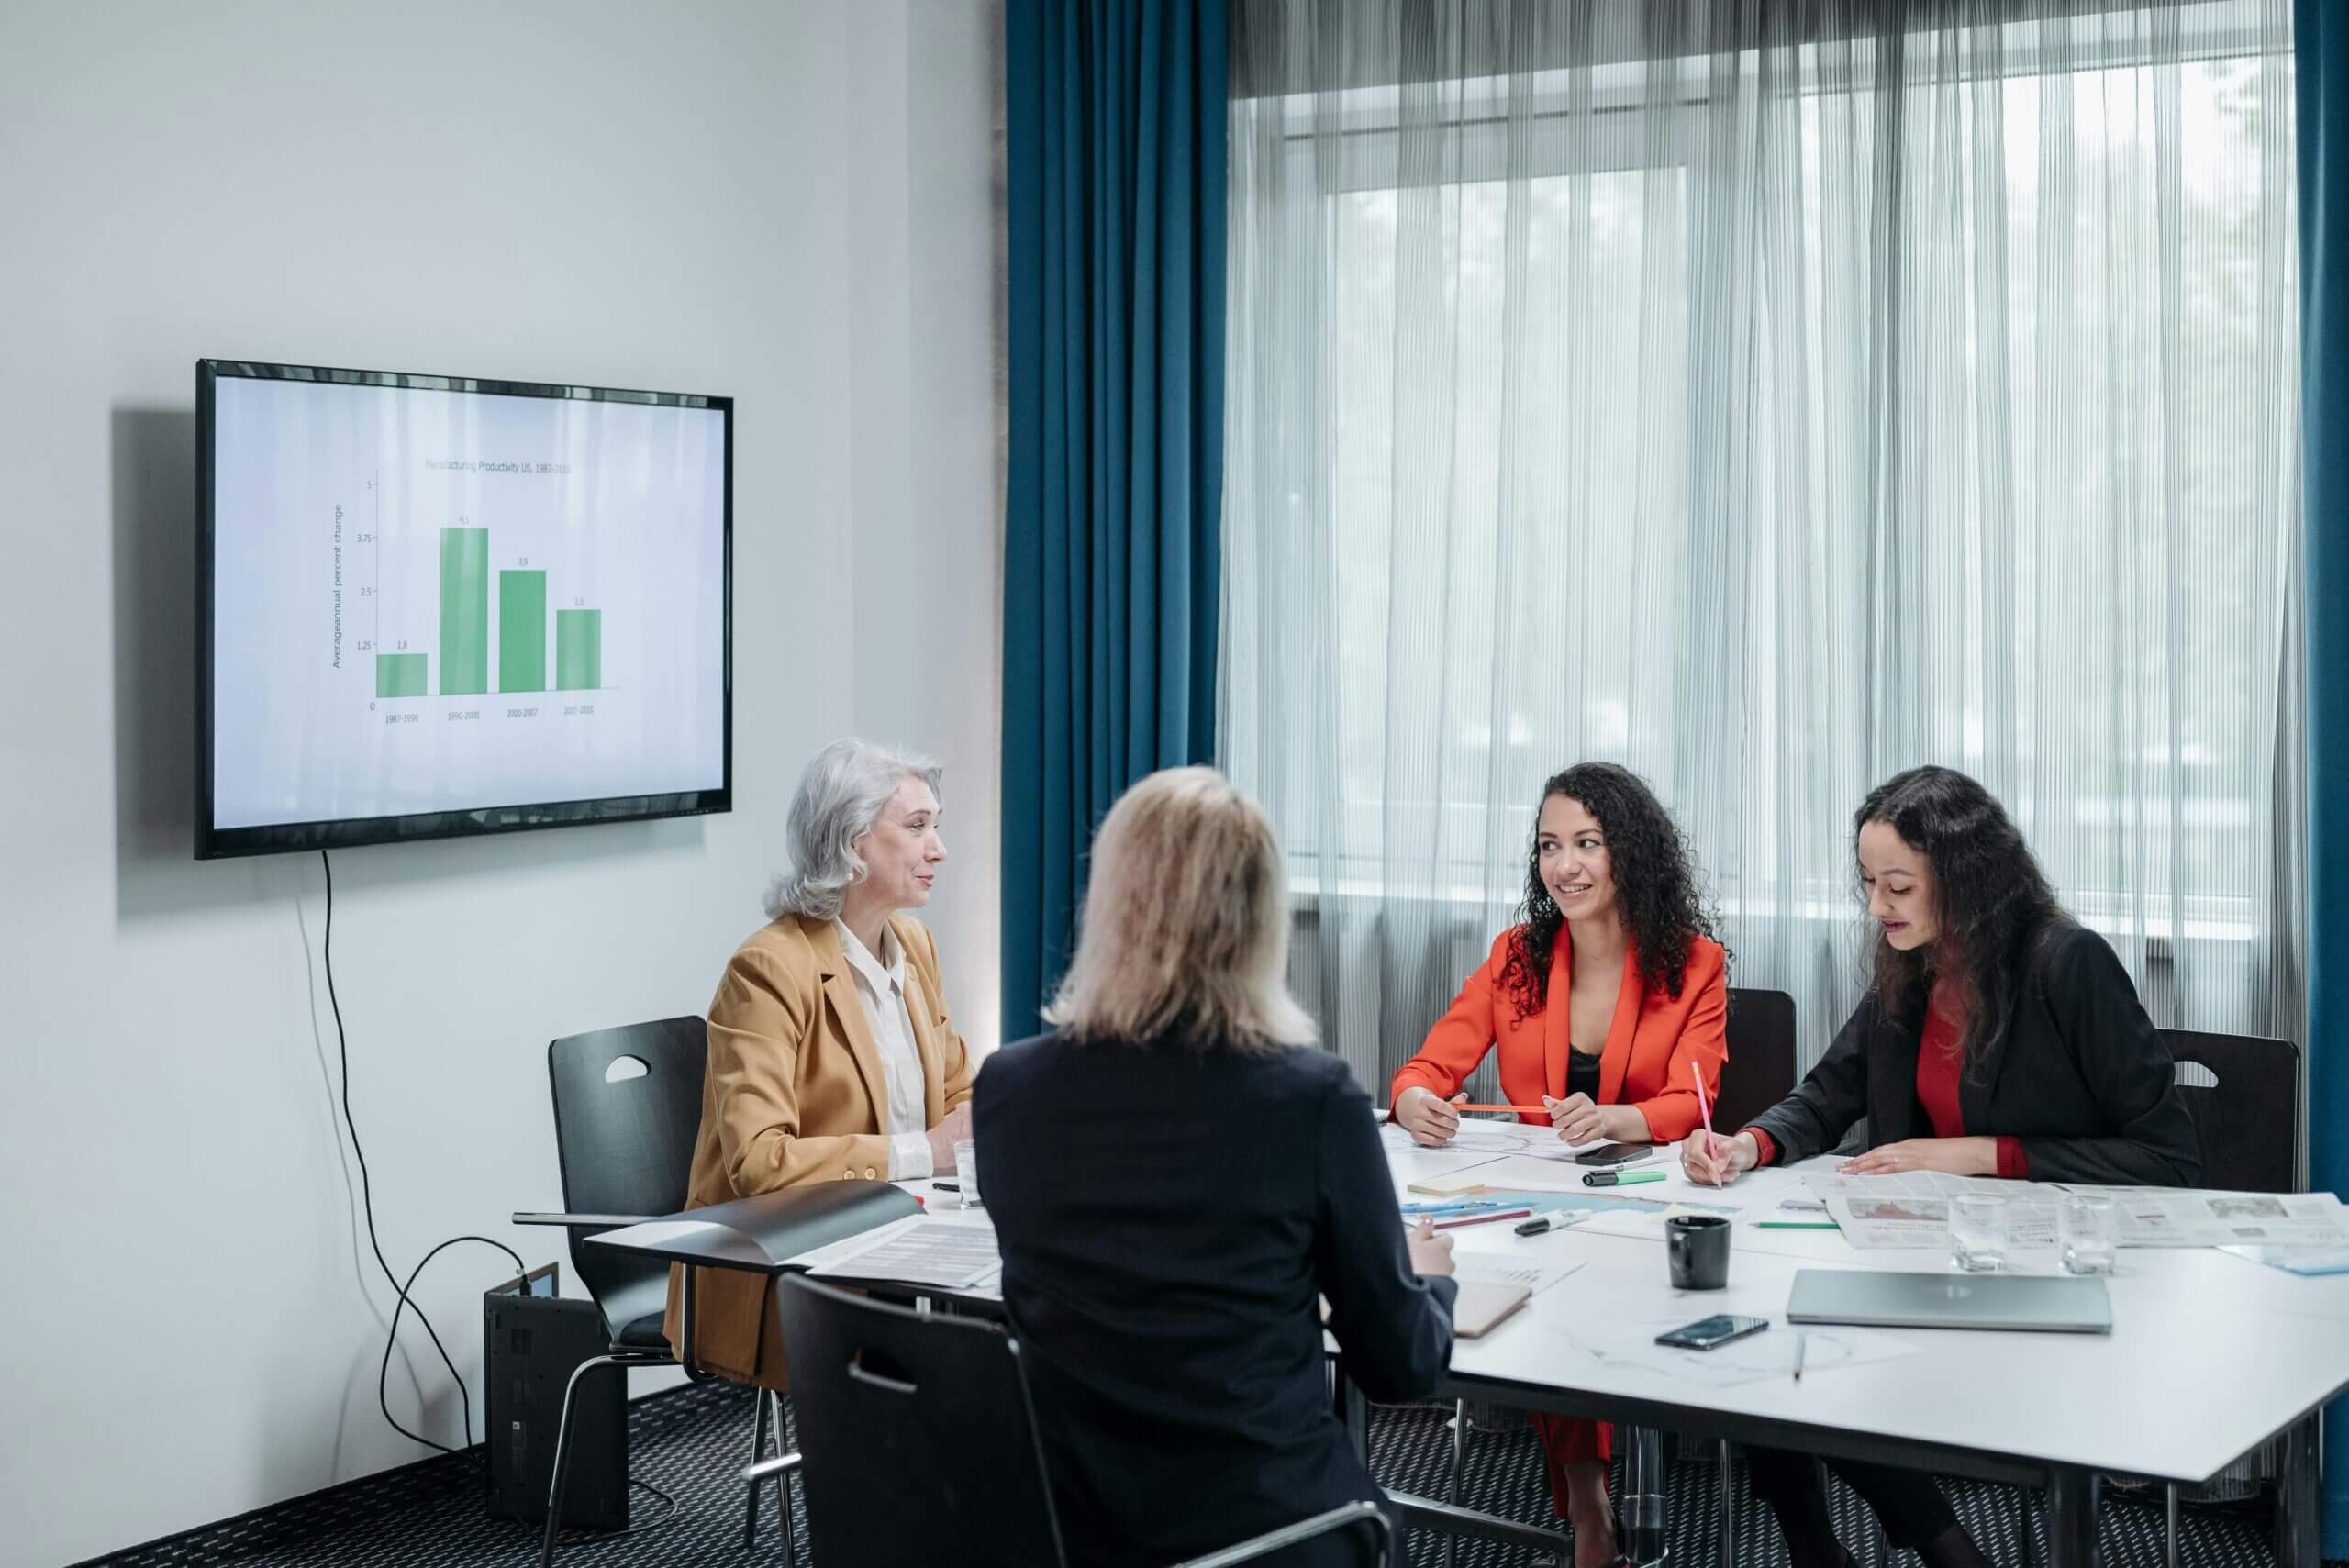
{"type": "Point", "coordinates": [1115, 155]}
{"type": "Point", "coordinates": [2321, 38]}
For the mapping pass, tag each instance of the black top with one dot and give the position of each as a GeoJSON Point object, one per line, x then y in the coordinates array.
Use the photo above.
{"type": "Point", "coordinates": [1168, 1218]}
{"type": "Point", "coordinates": [1582, 1074]}
{"type": "Point", "coordinates": [2082, 1078]}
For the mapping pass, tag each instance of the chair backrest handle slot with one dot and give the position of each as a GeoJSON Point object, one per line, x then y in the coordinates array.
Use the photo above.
{"type": "Point", "coordinates": [856, 1369]}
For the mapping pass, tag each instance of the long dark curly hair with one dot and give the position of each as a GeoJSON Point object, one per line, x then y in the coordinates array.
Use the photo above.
{"type": "Point", "coordinates": [1991, 900]}
{"type": "Point", "coordinates": [1657, 894]}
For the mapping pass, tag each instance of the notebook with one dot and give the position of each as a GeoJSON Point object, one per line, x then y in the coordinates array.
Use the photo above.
{"type": "Point", "coordinates": [1484, 1304]}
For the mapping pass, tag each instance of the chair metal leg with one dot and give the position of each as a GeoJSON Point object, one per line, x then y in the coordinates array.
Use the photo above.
{"type": "Point", "coordinates": [562, 1449]}
{"type": "Point", "coordinates": [782, 1483]}
{"type": "Point", "coordinates": [2169, 1524]}
{"type": "Point", "coordinates": [758, 1453]}
{"type": "Point", "coordinates": [1451, 1495]}
{"type": "Point", "coordinates": [1728, 1508]}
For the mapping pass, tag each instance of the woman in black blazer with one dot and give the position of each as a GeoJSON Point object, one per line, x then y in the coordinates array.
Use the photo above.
{"type": "Point", "coordinates": [1178, 1179]}
{"type": "Point", "coordinates": [1997, 1037]}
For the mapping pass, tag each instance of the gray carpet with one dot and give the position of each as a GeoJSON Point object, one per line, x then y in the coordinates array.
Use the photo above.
{"type": "Point", "coordinates": [691, 1444]}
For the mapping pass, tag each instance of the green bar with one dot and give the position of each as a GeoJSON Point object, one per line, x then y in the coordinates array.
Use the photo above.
{"type": "Point", "coordinates": [521, 631]}
{"type": "Point", "coordinates": [465, 610]}
{"type": "Point", "coordinates": [400, 675]}
{"type": "Point", "coordinates": [578, 650]}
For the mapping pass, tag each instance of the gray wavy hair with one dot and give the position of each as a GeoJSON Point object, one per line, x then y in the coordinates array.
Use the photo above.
{"type": "Point", "coordinates": [839, 800]}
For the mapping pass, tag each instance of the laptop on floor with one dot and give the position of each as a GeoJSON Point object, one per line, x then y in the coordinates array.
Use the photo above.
{"type": "Point", "coordinates": [2049, 1304]}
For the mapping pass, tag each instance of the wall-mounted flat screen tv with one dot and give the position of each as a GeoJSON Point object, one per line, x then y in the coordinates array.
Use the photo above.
{"type": "Point", "coordinates": [430, 606]}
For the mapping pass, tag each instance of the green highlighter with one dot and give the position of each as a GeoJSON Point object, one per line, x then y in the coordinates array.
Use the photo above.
{"type": "Point", "coordinates": [1620, 1178]}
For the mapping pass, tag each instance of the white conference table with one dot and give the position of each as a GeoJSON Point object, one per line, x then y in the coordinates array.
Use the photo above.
{"type": "Point", "coordinates": [2210, 1356]}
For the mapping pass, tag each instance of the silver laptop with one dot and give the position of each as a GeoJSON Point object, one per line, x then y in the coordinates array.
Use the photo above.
{"type": "Point", "coordinates": [2038, 1303]}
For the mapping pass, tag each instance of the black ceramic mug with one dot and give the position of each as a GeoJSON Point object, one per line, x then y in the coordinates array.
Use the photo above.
{"type": "Point", "coordinates": [1697, 1245]}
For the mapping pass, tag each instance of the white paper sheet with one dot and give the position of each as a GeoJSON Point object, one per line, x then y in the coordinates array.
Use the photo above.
{"type": "Point", "coordinates": [1420, 1165]}
{"type": "Point", "coordinates": [1527, 1172]}
{"type": "Point", "coordinates": [1536, 1274]}
{"type": "Point", "coordinates": [1505, 1137]}
{"type": "Point", "coordinates": [1756, 1359]}
{"type": "Point", "coordinates": [1647, 1224]}
{"type": "Point", "coordinates": [950, 1255]}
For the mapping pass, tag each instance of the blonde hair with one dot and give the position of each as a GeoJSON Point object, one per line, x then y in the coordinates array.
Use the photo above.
{"type": "Point", "coordinates": [1185, 925]}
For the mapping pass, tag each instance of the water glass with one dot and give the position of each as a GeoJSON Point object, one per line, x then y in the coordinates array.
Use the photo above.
{"type": "Point", "coordinates": [966, 1172]}
{"type": "Point", "coordinates": [2092, 1231]}
{"type": "Point", "coordinates": [1978, 1232]}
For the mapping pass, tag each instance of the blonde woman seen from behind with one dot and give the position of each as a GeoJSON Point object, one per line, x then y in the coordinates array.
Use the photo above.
{"type": "Point", "coordinates": [1177, 1178]}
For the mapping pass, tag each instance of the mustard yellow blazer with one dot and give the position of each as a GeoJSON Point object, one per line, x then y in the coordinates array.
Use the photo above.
{"type": "Point", "coordinates": [794, 1093]}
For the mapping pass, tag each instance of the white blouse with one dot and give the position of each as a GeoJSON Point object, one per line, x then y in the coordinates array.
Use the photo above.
{"type": "Point", "coordinates": [881, 985]}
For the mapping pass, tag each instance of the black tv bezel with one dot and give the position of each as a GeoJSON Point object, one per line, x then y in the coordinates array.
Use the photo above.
{"type": "Point", "coordinates": [218, 843]}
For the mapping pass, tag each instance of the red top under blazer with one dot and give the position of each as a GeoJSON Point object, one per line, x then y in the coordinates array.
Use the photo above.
{"type": "Point", "coordinates": [1649, 1047]}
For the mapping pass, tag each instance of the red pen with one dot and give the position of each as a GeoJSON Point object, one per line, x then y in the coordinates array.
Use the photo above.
{"type": "Point", "coordinates": [1482, 1218]}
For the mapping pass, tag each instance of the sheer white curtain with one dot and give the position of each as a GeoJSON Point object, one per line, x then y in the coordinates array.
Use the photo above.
{"type": "Point", "coordinates": [1770, 396]}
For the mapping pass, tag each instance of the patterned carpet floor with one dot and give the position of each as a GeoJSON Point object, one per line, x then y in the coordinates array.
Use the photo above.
{"type": "Point", "coordinates": [690, 1443]}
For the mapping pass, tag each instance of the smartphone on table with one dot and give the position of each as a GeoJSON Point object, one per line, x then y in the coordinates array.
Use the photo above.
{"type": "Point", "coordinates": [1708, 1333]}
{"type": "Point", "coordinates": [1614, 1153]}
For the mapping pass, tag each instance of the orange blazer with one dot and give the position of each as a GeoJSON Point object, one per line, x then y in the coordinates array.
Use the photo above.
{"type": "Point", "coordinates": [1648, 1048]}
{"type": "Point", "coordinates": [794, 1094]}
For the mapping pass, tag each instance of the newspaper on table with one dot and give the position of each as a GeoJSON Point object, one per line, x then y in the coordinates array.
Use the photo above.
{"type": "Point", "coordinates": [1911, 1209]}
{"type": "Point", "coordinates": [948, 1254]}
{"type": "Point", "coordinates": [2179, 1217]}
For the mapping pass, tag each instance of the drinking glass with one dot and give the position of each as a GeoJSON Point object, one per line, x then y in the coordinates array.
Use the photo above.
{"type": "Point", "coordinates": [966, 1172]}
{"type": "Point", "coordinates": [2091, 1229]}
{"type": "Point", "coordinates": [1978, 1232]}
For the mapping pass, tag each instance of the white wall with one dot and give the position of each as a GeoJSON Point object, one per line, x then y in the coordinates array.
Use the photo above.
{"type": "Point", "coordinates": [785, 202]}
{"type": "Point", "coordinates": [922, 467]}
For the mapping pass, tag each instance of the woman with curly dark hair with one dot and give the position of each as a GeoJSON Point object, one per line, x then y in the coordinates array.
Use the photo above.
{"type": "Point", "coordinates": [1606, 1003]}
{"type": "Point", "coordinates": [1997, 1037]}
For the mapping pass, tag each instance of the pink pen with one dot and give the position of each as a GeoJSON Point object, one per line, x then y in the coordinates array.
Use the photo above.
{"type": "Point", "coordinates": [1712, 1148]}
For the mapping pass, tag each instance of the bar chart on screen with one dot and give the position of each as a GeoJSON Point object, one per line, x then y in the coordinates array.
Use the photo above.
{"type": "Point", "coordinates": [447, 642]}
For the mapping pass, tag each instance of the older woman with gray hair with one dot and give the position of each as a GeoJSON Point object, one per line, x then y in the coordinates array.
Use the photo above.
{"type": "Point", "coordinates": [831, 1056]}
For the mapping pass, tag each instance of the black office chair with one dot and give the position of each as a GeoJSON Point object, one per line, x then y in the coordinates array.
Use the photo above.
{"type": "Point", "coordinates": [2244, 1093]}
{"type": "Point", "coordinates": [918, 1430]}
{"type": "Point", "coordinates": [627, 1111]}
{"type": "Point", "coordinates": [1760, 1071]}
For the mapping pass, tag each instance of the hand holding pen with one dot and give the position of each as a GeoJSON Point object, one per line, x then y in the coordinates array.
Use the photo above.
{"type": "Point", "coordinates": [1712, 1148]}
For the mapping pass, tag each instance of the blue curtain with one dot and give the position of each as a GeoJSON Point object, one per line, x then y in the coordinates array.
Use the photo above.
{"type": "Point", "coordinates": [2321, 40]}
{"type": "Point", "coordinates": [1114, 137]}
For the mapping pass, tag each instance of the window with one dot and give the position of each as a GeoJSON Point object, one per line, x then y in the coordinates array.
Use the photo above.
{"type": "Point", "coordinates": [1733, 414]}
